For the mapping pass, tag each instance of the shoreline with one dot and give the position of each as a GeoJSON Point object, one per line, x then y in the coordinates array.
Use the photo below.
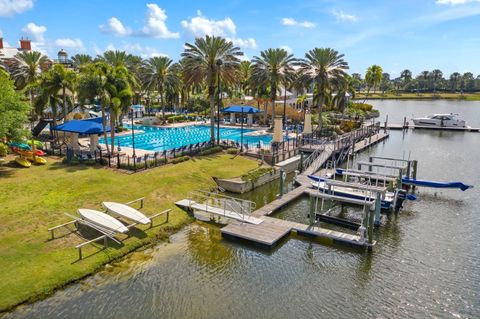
{"type": "Point", "coordinates": [148, 242]}
{"type": "Point", "coordinates": [66, 270]}
{"type": "Point", "coordinates": [421, 97]}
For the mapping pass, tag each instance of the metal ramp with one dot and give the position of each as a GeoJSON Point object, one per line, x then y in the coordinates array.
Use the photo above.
{"type": "Point", "coordinates": [221, 206]}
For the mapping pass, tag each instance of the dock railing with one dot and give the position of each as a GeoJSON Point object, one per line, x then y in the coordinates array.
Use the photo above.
{"type": "Point", "coordinates": [227, 204]}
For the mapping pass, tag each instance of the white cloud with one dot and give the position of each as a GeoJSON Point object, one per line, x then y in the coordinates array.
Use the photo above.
{"type": "Point", "coordinates": [12, 7]}
{"type": "Point", "coordinates": [454, 2]}
{"type": "Point", "coordinates": [35, 32]}
{"type": "Point", "coordinates": [116, 27]}
{"type": "Point", "coordinates": [249, 43]}
{"type": "Point", "coordinates": [289, 21]}
{"type": "Point", "coordinates": [344, 17]}
{"type": "Point", "coordinates": [293, 22]}
{"type": "Point", "coordinates": [155, 25]}
{"type": "Point", "coordinates": [69, 43]}
{"type": "Point", "coordinates": [200, 26]}
{"type": "Point", "coordinates": [287, 48]}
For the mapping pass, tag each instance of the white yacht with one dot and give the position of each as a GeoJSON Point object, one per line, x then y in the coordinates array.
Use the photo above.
{"type": "Point", "coordinates": [440, 120]}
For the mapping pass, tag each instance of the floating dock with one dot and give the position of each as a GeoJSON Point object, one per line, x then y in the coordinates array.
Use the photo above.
{"type": "Point", "coordinates": [272, 230]}
{"type": "Point", "coordinates": [374, 139]}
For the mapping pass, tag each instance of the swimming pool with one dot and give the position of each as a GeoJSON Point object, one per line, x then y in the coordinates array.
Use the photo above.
{"type": "Point", "coordinates": [152, 138]}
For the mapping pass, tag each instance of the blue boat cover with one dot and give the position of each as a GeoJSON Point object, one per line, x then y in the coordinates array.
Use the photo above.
{"type": "Point", "coordinates": [434, 184]}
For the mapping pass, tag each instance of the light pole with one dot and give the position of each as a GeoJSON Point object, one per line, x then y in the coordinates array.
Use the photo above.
{"type": "Point", "coordinates": [241, 134]}
{"type": "Point", "coordinates": [133, 138]}
{"type": "Point", "coordinates": [284, 105]}
{"type": "Point", "coordinates": [219, 64]}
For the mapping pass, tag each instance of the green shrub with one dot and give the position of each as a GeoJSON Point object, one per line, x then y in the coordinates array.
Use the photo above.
{"type": "Point", "coordinates": [255, 174]}
{"type": "Point", "coordinates": [180, 159]}
{"type": "Point", "coordinates": [361, 106]}
{"type": "Point", "coordinates": [232, 151]}
{"type": "Point", "coordinates": [211, 150]}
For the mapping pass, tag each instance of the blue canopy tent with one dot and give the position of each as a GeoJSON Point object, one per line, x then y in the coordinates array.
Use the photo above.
{"type": "Point", "coordinates": [92, 127]}
{"type": "Point", "coordinates": [83, 127]}
{"type": "Point", "coordinates": [242, 109]}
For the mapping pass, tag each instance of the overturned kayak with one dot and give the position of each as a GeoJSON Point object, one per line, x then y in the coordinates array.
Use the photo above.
{"type": "Point", "coordinates": [102, 220]}
{"type": "Point", "coordinates": [127, 212]}
{"type": "Point", "coordinates": [435, 184]}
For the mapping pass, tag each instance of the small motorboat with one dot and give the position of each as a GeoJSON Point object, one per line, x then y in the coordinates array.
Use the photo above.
{"type": "Point", "coordinates": [126, 212]}
{"type": "Point", "coordinates": [440, 120]}
{"type": "Point", "coordinates": [102, 220]}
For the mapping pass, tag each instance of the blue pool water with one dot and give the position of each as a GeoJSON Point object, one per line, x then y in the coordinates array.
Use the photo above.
{"type": "Point", "coordinates": [159, 139]}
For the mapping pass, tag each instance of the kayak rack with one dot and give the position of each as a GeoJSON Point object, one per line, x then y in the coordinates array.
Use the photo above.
{"type": "Point", "coordinates": [106, 234]}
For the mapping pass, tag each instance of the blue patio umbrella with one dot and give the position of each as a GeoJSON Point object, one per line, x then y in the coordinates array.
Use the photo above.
{"type": "Point", "coordinates": [241, 109]}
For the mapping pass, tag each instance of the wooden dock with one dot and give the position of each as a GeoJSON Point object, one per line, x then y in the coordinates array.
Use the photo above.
{"type": "Point", "coordinates": [280, 202]}
{"type": "Point", "coordinates": [369, 141]}
{"type": "Point", "coordinates": [272, 230]}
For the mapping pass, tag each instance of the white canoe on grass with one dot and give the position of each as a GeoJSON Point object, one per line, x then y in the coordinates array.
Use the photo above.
{"type": "Point", "coordinates": [126, 212]}
{"type": "Point", "coordinates": [103, 220]}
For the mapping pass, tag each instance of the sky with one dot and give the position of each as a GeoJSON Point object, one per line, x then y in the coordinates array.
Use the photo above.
{"type": "Point", "coordinates": [395, 34]}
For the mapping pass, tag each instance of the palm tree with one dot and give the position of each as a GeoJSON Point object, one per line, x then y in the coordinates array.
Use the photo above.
{"type": "Point", "coordinates": [467, 81]}
{"type": "Point", "coordinates": [60, 79]}
{"type": "Point", "coordinates": [81, 60]}
{"type": "Point", "coordinates": [424, 76]}
{"type": "Point", "coordinates": [272, 68]}
{"type": "Point", "coordinates": [111, 85]}
{"type": "Point", "coordinates": [26, 70]}
{"type": "Point", "coordinates": [206, 61]}
{"type": "Point", "coordinates": [114, 58]}
{"type": "Point", "coordinates": [373, 77]}
{"type": "Point", "coordinates": [326, 68]}
{"type": "Point", "coordinates": [406, 76]}
{"type": "Point", "coordinates": [344, 90]}
{"type": "Point", "coordinates": [245, 74]}
{"type": "Point", "coordinates": [454, 79]}
{"type": "Point", "coordinates": [436, 76]}
{"type": "Point", "coordinates": [159, 74]}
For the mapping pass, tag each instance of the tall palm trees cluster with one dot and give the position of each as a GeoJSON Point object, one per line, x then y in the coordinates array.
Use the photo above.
{"type": "Point", "coordinates": [210, 66]}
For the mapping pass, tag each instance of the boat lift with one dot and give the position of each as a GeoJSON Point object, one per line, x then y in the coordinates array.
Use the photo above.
{"type": "Point", "coordinates": [371, 206]}
{"type": "Point", "coordinates": [106, 234]}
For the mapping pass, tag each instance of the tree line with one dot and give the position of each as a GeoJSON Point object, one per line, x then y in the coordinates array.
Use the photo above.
{"type": "Point", "coordinates": [434, 81]}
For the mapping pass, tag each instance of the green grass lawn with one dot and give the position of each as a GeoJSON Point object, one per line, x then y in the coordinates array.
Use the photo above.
{"type": "Point", "coordinates": [36, 198]}
{"type": "Point", "coordinates": [423, 96]}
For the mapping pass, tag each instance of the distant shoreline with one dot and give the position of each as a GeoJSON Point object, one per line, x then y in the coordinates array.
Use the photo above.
{"type": "Point", "coordinates": [423, 96]}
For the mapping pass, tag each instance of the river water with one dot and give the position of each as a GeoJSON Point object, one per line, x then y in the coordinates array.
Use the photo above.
{"type": "Point", "coordinates": [425, 264]}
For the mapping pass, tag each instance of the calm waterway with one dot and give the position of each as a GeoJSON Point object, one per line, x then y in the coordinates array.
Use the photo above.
{"type": "Point", "coordinates": [425, 264]}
